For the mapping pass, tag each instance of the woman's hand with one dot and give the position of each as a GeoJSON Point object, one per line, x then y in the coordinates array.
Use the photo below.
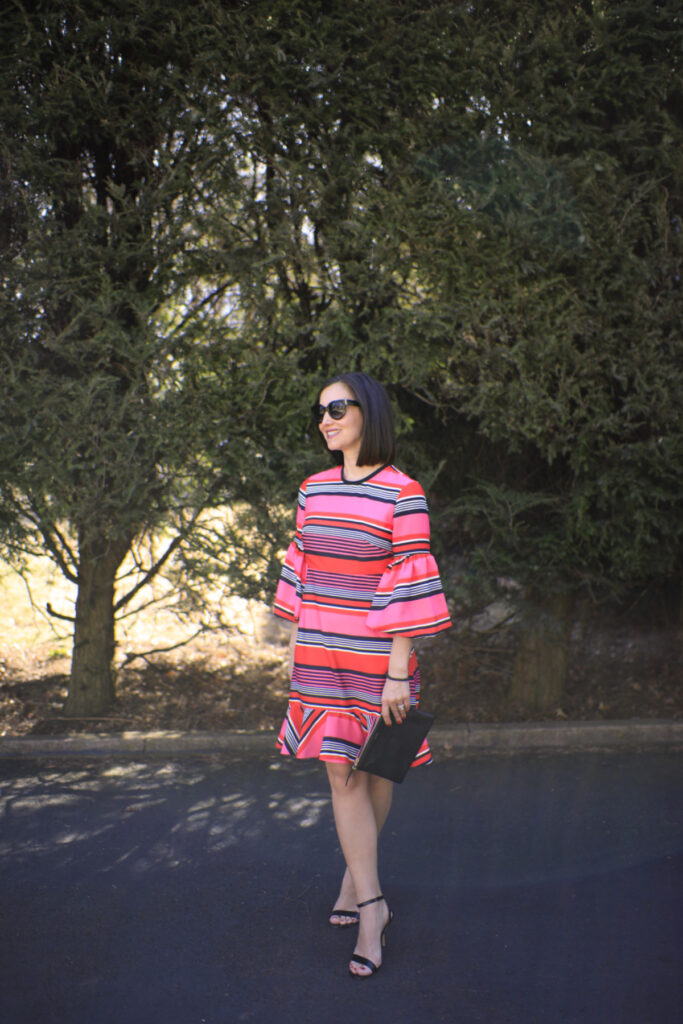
{"type": "Point", "coordinates": [395, 700]}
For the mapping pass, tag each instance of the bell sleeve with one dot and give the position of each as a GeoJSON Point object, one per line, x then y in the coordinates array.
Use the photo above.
{"type": "Point", "coordinates": [409, 600]}
{"type": "Point", "coordinates": [290, 587]}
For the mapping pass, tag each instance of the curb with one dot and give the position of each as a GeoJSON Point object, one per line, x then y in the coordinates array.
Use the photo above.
{"type": "Point", "coordinates": [559, 737]}
{"type": "Point", "coordinates": [138, 744]}
{"type": "Point", "coordinates": [452, 741]}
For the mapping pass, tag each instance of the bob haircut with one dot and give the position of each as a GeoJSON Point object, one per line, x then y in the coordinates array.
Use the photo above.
{"type": "Point", "coordinates": [377, 444]}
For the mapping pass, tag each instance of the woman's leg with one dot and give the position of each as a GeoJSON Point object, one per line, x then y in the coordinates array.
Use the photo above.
{"type": "Point", "coordinates": [355, 806]}
{"type": "Point", "coordinates": [381, 793]}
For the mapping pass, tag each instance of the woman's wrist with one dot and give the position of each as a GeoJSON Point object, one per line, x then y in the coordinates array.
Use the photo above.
{"type": "Point", "coordinates": [397, 678]}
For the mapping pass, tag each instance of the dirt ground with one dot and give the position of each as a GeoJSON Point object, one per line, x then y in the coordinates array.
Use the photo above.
{"type": "Point", "coordinates": [621, 666]}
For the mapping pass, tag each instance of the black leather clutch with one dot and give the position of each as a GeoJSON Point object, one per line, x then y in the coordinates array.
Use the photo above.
{"type": "Point", "coordinates": [389, 750]}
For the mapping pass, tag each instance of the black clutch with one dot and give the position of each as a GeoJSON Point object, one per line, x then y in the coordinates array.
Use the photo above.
{"type": "Point", "coordinates": [389, 750]}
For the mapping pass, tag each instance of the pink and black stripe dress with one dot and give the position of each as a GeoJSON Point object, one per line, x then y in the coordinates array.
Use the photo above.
{"type": "Point", "coordinates": [358, 571]}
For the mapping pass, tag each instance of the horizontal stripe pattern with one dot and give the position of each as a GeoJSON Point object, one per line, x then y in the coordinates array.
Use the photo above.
{"type": "Point", "coordinates": [358, 572]}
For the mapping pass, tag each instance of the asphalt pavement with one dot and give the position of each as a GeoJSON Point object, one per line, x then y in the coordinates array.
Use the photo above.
{"type": "Point", "coordinates": [534, 889]}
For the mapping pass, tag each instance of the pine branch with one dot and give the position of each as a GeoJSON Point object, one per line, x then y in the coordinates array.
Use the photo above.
{"type": "Point", "coordinates": [175, 543]}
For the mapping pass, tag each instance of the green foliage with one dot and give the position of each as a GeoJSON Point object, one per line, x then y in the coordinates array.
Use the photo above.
{"type": "Point", "coordinates": [558, 263]}
{"type": "Point", "coordinates": [112, 135]}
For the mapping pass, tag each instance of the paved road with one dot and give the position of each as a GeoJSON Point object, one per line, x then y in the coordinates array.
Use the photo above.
{"type": "Point", "coordinates": [527, 890]}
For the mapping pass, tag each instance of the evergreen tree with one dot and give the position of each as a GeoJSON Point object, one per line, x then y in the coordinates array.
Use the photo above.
{"type": "Point", "coordinates": [117, 385]}
{"type": "Point", "coordinates": [564, 347]}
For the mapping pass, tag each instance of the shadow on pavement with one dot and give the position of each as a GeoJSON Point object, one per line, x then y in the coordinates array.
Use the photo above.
{"type": "Point", "coordinates": [526, 890]}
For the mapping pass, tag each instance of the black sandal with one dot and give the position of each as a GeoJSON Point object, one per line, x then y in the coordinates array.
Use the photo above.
{"type": "Point", "coordinates": [363, 961]}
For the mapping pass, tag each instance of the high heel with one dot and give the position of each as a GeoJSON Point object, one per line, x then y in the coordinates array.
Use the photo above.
{"type": "Point", "coordinates": [363, 961]}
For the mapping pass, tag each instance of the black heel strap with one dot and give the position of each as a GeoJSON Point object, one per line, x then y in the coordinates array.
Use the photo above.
{"type": "Point", "coordinates": [366, 903]}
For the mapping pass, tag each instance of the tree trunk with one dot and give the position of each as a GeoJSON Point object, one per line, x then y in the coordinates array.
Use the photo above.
{"type": "Point", "coordinates": [540, 668]}
{"type": "Point", "coordinates": [91, 684]}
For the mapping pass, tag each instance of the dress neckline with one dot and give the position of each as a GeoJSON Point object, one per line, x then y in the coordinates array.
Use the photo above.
{"type": "Point", "coordinates": [363, 478]}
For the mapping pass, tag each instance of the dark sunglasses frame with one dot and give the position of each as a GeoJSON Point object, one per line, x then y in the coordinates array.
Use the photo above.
{"type": "Point", "coordinates": [336, 408]}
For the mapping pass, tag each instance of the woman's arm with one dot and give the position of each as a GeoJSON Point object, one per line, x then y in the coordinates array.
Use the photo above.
{"type": "Point", "coordinates": [401, 646]}
{"type": "Point", "coordinates": [396, 690]}
{"type": "Point", "coordinates": [292, 644]}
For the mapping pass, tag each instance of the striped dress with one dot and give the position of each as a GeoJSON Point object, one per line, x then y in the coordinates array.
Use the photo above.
{"type": "Point", "coordinates": [358, 572]}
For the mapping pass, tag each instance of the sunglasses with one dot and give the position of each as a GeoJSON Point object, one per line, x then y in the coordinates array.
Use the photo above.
{"type": "Point", "coordinates": [337, 409]}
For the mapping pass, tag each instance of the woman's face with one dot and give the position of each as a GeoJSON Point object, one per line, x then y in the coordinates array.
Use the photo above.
{"type": "Point", "coordinates": [342, 435]}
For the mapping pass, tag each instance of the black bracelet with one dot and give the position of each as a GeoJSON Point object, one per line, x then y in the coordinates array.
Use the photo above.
{"type": "Point", "coordinates": [399, 679]}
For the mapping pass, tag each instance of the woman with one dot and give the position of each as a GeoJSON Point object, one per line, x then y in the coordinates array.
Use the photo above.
{"type": "Point", "coordinates": [357, 584]}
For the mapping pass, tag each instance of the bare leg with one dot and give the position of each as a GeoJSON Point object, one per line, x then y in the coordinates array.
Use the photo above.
{"type": "Point", "coordinates": [357, 827]}
{"type": "Point", "coordinates": [381, 793]}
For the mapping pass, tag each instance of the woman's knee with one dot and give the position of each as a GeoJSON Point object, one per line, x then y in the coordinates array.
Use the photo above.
{"type": "Point", "coordinates": [340, 782]}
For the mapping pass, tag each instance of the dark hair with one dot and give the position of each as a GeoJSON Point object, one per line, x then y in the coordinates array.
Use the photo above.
{"type": "Point", "coordinates": [377, 444]}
